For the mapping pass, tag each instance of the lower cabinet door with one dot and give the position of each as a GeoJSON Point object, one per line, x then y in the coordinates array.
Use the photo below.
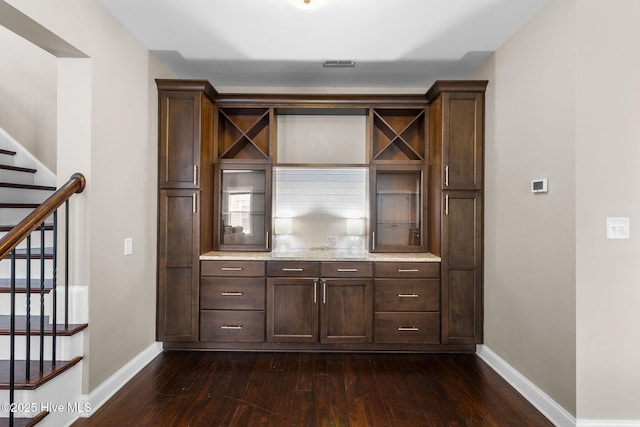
{"type": "Point", "coordinates": [346, 311]}
{"type": "Point", "coordinates": [231, 326]}
{"type": "Point", "coordinates": [292, 310]}
{"type": "Point", "coordinates": [407, 328]}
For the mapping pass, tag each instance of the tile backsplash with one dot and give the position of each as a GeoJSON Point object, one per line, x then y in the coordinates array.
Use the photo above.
{"type": "Point", "coordinates": [319, 201]}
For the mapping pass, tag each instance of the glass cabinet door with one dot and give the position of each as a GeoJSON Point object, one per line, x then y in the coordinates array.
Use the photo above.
{"type": "Point", "coordinates": [244, 208]}
{"type": "Point", "coordinates": [398, 211]}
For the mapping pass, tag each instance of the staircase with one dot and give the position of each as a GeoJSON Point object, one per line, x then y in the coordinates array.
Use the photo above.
{"type": "Point", "coordinates": [45, 337]}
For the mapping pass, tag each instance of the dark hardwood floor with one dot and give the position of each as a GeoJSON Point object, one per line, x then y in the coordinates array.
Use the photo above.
{"type": "Point", "coordinates": [316, 389]}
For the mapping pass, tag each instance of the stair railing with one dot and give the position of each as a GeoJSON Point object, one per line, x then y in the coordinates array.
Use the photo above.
{"type": "Point", "coordinates": [8, 243]}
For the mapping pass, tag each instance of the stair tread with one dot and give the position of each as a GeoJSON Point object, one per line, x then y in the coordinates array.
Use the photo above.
{"type": "Point", "coordinates": [19, 205]}
{"type": "Point", "coordinates": [35, 253]}
{"type": "Point", "coordinates": [35, 379]}
{"type": "Point", "coordinates": [21, 285]}
{"type": "Point", "coordinates": [5, 326]}
{"type": "Point", "coordinates": [27, 186]}
{"type": "Point", "coordinates": [10, 227]}
{"type": "Point", "coordinates": [18, 169]}
{"type": "Point", "coordinates": [24, 422]}
{"type": "Point", "coordinates": [7, 152]}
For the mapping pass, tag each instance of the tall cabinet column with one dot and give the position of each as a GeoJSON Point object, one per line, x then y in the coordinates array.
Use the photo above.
{"type": "Point", "coordinates": [185, 180]}
{"type": "Point", "coordinates": [456, 184]}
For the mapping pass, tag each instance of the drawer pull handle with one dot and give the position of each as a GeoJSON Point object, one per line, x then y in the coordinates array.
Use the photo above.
{"type": "Point", "coordinates": [232, 268]}
{"type": "Point", "coordinates": [347, 270]}
{"type": "Point", "coordinates": [408, 270]}
{"type": "Point", "coordinates": [231, 294]}
{"type": "Point", "coordinates": [408, 295]}
{"type": "Point", "coordinates": [231, 327]}
{"type": "Point", "coordinates": [407, 329]}
{"type": "Point", "coordinates": [293, 269]}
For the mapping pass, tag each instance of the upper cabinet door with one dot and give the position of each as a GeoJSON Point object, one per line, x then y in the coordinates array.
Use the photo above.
{"type": "Point", "coordinates": [179, 139]}
{"type": "Point", "coordinates": [244, 199]}
{"type": "Point", "coordinates": [462, 141]}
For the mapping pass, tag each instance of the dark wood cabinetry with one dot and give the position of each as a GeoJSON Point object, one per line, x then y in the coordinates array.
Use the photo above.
{"type": "Point", "coordinates": [243, 203]}
{"type": "Point", "coordinates": [456, 148]}
{"type": "Point", "coordinates": [462, 267]}
{"type": "Point", "coordinates": [399, 135]}
{"type": "Point", "coordinates": [232, 301]}
{"type": "Point", "coordinates": [398, 207]}
{"type": "Point", "coordinates": [185, 173]}
{"type": "Point", "coordinates": [425, 159]}
{"type": "Point", "coordinates": [407, 303]}
{"type": "Point", "coordinates": [455, 200]}
{"type": "Point", "coordinates": [304, 305]}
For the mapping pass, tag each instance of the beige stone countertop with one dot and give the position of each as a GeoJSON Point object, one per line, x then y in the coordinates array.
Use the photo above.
{"type": "Point", "coordinates": [318, 255]}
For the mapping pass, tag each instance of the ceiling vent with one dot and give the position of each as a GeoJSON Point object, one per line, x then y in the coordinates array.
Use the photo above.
{"type": "Point", "coordinates": [339, 63]}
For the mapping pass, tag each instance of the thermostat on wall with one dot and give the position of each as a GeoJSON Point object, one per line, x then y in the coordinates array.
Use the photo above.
{"type": "Point", "coordinates": [539, 185]}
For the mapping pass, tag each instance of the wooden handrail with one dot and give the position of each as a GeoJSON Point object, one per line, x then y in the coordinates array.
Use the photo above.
{"type": "Point", "coordinates": [32, 221]}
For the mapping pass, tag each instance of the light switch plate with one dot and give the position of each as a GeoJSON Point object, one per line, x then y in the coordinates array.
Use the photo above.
{"type": "Point", "coordinates": [618, 228]}
{"type": "Point", "coordinates": [128, 246]}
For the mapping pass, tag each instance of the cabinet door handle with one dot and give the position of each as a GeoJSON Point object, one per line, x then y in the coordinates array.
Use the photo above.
{"type": "Point", "coordinates": [446, 176]}
{"type": "Point", "coordinates": [324, 292]}
{"type": "Point", "coordinates": [195, 175]}
{"type": "Point", "coordinates": [408, 270]}
{"type": "Point", "coordinates": [347, 270]}
{"type": "Point", "coordinates": [237, 327]}
{"type": "Point", "coordinates": [266, 239]}
{"type": "Point", "coordinates": [231, 294]}
{"type": "Point", "coordinates": [446, 204]}
{"type": "Point", "coordinates": [407, 329]}
{"type": "Point", "coordinates": [408, 295]}
{"type": "Point", "coordinates": [315, 291]}
{"type": "Point", "coordinates": [373, 240]}
{"type": "Point", "coordinates": [293, 269]}
{"type": "Point", "coordinates": [231, 269]}
{"type": "Point", "coordinates": [195, 202]}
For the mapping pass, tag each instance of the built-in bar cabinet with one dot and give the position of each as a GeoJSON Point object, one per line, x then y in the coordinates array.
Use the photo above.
{"type": "Point", "coordinates": [416, 287]}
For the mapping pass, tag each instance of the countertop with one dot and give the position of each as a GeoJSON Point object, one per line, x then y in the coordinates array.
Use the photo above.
{"type": "Point", "coordinates": [319, 255]}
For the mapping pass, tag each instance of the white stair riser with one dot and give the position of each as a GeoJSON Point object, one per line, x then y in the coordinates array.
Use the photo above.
{"type": "Point", "coordinates": [21, 304]}
{"type": "Point", "coordinates": [21, 268]}
{"type": "Point", "coordinates": [66, 347]}
{"type": "Point", "coordinates": [6, 159]}
{"type": "Point", "coordinates": [20, 195]}
{"type": "Point", "coordinates": [78, 303]}
{"type": "Point", "coordinates": [35, 239]}
{"type": "Point", "coordinates": [61, 397]}
{"type": "Point", "coordinates": [16, 177]}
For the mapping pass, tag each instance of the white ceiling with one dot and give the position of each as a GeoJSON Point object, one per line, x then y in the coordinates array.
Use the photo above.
{"type": "Point", "coordinates": [400, 45]}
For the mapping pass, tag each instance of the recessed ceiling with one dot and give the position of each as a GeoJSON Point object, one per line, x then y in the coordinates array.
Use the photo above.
{"type": "Point", "coordinates": [399, 45]}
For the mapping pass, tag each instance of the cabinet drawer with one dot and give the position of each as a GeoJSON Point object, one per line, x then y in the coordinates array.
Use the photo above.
{"type": "Point", "coordinates": [231, 326]}
{"type": "Point", "coordinates": [228, 293]}
{"type": "Point", "coordinates": [407, 295]}
{"type": "Point", "coordinates": [407, 328]}
{"type": "Point", "coordinates": [346, 269]}
{"type": "Point", "coordinates": [407, 269]}
{"type": "Point", "coordinates": [293, 269]}
{"type": "Point", "coordinates": [232, 268]}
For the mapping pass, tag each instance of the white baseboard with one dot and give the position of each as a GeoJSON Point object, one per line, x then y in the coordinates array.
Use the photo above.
{"type": "Point", "coordinates": [549, 408]}
{"type": "Point", "coordinates": [107, 389]}
{"type": "Point", "coordinates": [608, 423]}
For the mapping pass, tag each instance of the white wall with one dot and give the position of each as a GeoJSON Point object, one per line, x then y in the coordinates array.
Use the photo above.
{"type": "Point", "coordinates": [607, 184]}
{"type": "Point", "coordinates": [529, 238]}
{"type": "Point", "coordinates": [120, 161]}
{"type": "Point", "coordinates": [563, 104]}
{"type": "Point", "coordinates": [28, 90]}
